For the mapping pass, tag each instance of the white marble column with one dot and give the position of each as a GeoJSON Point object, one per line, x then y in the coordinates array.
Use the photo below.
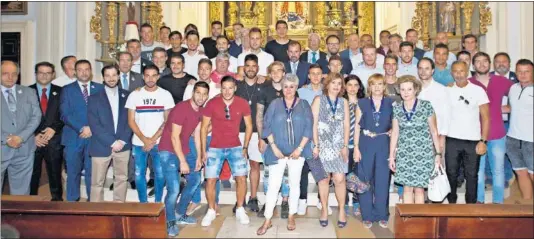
{"type": "Point", "coordinates": [86, 45]}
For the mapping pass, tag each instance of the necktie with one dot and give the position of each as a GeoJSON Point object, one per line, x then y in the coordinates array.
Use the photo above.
{"type": "Point", "coordinates": [352, 121]}
{"type": "Point", "coordinates": [44, 101]}
{"type": "Point", "coordinates": [293, 67]}
{"type": "Point", "coordinates": [85, 93]}
{"type": "Point", "coordinates": [124, 81]}
{"type": "Point", "coordinates": [314, 57]}
{"type": "Point", "coordinates": [11, 103]}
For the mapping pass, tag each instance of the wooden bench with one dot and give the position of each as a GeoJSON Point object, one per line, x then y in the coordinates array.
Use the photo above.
{"type": "Point", "coordinates": [39, 219]}
{"type": "Point", "coordinates": [463, 221]}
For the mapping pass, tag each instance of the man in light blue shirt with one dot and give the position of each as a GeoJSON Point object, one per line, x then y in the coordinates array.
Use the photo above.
{"type": "Point", "coordinates": [369, 66]}
{"type": "Point", "coordinates": [315, 88]}
{"type": "Point", "coordinates": [407, 61]}
{"type": "Point", "coordinates": [442, 73]}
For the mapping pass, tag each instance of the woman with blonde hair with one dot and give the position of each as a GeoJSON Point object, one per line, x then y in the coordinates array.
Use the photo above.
{"type": "Point", "coordinates": [331, 138]}
{"type": "Point", "coordinates": [415, 136]}
{"type": "Point", "coordinates": [371, 150]}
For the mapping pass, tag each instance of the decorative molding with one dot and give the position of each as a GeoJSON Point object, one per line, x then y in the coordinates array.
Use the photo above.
{"type": "Point", "coordinates": [27, 48]}
{"type": "Point", "coordinates": [485, 17]}
{"type": "Point", "coordinates": [366, 24]}
{"type": "Point", "coordinates": [215, 11]}
{"type": "Point", "coordinates": [95, 26]}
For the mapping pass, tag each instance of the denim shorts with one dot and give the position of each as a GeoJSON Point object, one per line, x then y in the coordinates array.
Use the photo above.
{"type": "Point", "coordinates": [520, 154]}
{"type": "Point", "coordinates": [238, 164]}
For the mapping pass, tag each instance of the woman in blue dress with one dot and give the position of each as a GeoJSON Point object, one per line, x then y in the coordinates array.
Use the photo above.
{"type": "Point", "coordinates": [371, 150]}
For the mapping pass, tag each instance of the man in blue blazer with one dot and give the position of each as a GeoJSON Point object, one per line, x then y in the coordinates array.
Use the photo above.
{"type": "Point", "coordinates": [76, 133]}
{"type": "Point", "coordinates": [353, 47]}
{"type": "Point", "coordinates": [295, 65]}
{"type": "Point", "coordinates": [108, 119]}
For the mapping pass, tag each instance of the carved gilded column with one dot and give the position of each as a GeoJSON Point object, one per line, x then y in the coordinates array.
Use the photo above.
{"type": "Point", "coordinates": [95, 25]}
{"type": "Point", "coordinates": [111, 17]}
{"type": "Point", "coordinates": [485, 17]}
{"type": "Point", "coordinates": [366, 24]}
{"type": "Point", "coordinates": [122, 6]}
{"type": "Point", "coordinates": [433, 22]}
{"type": "Point", "coordinates": [458, 20]}
{"type": "Point", "coordinates": [468, 8]}
{"type": "Point", "coordinates": [215, 10]}
{"type": "Point", "coordinates": [319, 26]}
{"type": "Point", "coordinates": [231, 15]}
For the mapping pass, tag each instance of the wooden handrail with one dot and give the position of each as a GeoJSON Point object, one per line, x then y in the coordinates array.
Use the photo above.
{"type": "Point", "coordinates": [83, 208]}
{"type": "Point", "coordinates": [464, 210]}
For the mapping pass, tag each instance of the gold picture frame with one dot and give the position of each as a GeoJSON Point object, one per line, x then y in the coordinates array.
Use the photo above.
{"type": "Point", "coordinates": [14, 8]}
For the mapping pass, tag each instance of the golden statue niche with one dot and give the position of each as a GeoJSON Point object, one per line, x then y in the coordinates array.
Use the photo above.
{"type": "Point", "coordinates": [303, 18]}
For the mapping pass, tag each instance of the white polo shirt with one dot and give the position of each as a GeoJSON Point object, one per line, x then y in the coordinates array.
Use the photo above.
{"type": "Point", "coordinates": [214, 91]}
{"type": "Point", "coordinates": [465, 118]}
{"type": "Point", "coordinates": [231, 68]}
{"type": "Point", "coordinates": [522, 112]}
{"type": "Point", "coordinates": [438, 97]}
{"type": "Point", "coordinates": [357, 60]}
{"type": "Point", "coordinates": [363, 72]}
{"type": "Point", "coordinates": [191, 63]}
{"type": "Point", "coordinates": [264, 60]}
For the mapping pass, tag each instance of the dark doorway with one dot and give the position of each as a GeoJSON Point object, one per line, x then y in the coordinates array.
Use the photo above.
{"type": "Point", "coordinates": [11, 48]}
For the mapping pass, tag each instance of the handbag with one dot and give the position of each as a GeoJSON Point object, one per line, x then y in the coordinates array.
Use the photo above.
{"type": "Point", "coordinates": [355, 184]}
{"type": "Point", "coordinates": [438, 186]}
{"type": "Point", "coordinates": [317, 169]}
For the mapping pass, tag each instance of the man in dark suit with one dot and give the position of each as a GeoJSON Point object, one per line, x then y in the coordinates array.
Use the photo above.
{"type": "Point", "coordinates": [210, 43]}
{"type": "Point", "coordinates": [236, 47]}
{"type": "Point", "coordinates": [129, 80]}
{"type": "Point", "coordinates": [108, 118]}
{"type": "Point", "coordinates": [48, 134]}
{"type": "Point", "coordinates": [294, 65]}
{"type": "Point", "coordinates": [20, 117]}
{"type": "Point", "coordinates": [76, 133]}
{"type": "Point", "coordinates": [501, 66]}
{"type": "Point", "coordinates": [384, 43]}
{"type": "Point", "coordinates": [413, 36]}
{"type": "Point", "coordinates": [332, 44]}
{"type": "Point", "coordinates": [313, 54]}
{"type": "Point", "coordinates": [353, 47]}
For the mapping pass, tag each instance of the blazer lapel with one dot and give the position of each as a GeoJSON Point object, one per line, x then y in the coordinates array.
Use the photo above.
{"type": "Point", "coordinates": [53, 98]}
{"type": "Point", "coordinates": [5, 107]}
{"type": "Point", "coordinates": [107, 110]}
{"type": "Point", "coordinates": [122, 112]}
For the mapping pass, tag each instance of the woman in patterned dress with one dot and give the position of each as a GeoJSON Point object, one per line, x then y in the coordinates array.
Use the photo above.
{"type": "Point", "coordinates": [371, 151]}
{"type": "Point", "coordinates": [331, 137]}
{"type": "Point", "coordinates": [415, 136]}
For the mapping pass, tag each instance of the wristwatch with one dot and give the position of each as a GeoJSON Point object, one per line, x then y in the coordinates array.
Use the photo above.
{"type": "Point", "coordinates": [483, 141]}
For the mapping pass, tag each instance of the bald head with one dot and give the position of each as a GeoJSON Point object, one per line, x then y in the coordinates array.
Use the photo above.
{"type": "Point", "coordinates": [353, 41]}
{"type": "Point", "coordinates": [441, 37]}
{"type": "Point", "coordinates": [10, 73]}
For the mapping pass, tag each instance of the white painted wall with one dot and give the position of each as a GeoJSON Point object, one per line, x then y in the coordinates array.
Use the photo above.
{"type": "Point", "coordinates": [394, 16]}
{"type": "Point", "coordinates": [177, 15]}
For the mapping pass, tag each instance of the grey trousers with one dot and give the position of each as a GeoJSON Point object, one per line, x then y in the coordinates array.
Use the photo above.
{"type": "Point", "coordinates": [19, 169]}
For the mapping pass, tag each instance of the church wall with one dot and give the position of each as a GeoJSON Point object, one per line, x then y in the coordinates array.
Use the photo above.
{"type": "Point", "coordinates": [177, 15]}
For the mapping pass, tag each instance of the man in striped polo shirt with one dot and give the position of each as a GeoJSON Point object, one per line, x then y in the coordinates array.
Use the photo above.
{"type": "Point", "coordinates": [148, 109]}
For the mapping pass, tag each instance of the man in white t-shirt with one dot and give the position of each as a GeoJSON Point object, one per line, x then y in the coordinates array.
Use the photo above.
{"type": "Point", "coordinates": [468, 131]}
{"type": "Point", "coordinates": [222, 46]}
{"type": "Point", "coordinates": [147, 41]}
{"type": "Point", "coordinates": [193, 55]}
{"type": "Point", "coordinates": [148, 109]}
{"type": "Point", "coordinates": [264, 58]}
{"type": "Point", "coordinates": [520, 141]}
{"type": "Point", "coordinates": [204, 72]}
{"type": "Point", "coordinates": [370, 65]}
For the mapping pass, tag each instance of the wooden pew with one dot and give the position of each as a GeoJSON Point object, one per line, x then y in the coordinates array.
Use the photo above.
{"type": "Point", "coordinates": [463, 221]}
{"type": "Point", "coordinates": [39, 219]}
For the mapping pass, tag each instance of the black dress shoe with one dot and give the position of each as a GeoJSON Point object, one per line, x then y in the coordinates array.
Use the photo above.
{"type": "Point", "coordinates": [111, 187]}
{"type": "Point", "coordinates": [132, 185]}
{"type": "Point", "coordinates": [57, 199]}
{"type": "Point", "coordinates": [150, 183]}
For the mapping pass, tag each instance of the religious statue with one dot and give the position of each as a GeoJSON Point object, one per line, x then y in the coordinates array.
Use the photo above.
{"type": "Point", "coordinates": [446, 14]}
{"type": "Point", "coordinates": [232, 13]}
{"type": "Point", "coordinates": [293, 11]}
{"type": "Point", "coordinates": [259, 11]}
{"type": "Point", "coordinates": [247, 5]}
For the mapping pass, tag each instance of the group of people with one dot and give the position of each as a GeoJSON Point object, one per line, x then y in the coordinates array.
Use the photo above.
{"type": "Point", "coordinates": [224, 107]}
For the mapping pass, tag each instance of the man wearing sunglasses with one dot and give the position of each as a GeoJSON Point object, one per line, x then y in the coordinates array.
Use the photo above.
{"type": "Point", "coordinates": [468, 131]}
{"type": "Point", "coordinates": [224, 114]}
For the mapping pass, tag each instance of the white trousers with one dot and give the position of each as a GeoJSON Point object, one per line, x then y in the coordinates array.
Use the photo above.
{"type": "Point", "coordinates": [276, 175]}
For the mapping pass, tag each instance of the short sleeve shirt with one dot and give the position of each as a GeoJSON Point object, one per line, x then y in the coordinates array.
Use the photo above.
{"type": "Point", "coordinates": [251, 93]}
{"type": "Point", "coordinates": [184, 115]}
{"type": "Point", "coordinates": [225, 132]}
{"type": "Point", "coordinates": [498, 88]}
{"type": "Point", "coordinates": [176, 86]}
{"type": "Point", "coordinates": [149, 109]}
{"type": "Point", "coordinates": [522, 115]}
{"type": "Point", "coordinates": [465, 105]}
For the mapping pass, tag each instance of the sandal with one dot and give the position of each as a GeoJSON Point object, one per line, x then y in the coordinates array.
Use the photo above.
{"type": "Point", "coordinates": [262, 230]}
{"type": "Point", "coordinates": [341, 224]}
{"type": "Point", "coordinates": [324, 223]}
{"type": "Point", "coordinates": [291, 226]}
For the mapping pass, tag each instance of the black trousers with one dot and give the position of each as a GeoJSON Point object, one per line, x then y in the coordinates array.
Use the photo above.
{"type": "Point", "coordinates": [304, 181]}
{"type": "Point", "coordinates": [352, 168]}
{"type": "Point", "coordinates": [52, 154]}
{"type": "Point", "coordinates": [458, 152]}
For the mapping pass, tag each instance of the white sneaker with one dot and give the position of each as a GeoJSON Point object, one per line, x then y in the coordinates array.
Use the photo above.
{"type": "Point", "coordinates": [241, 216]}
{"type": "Point", "coordinates": [208, 218]}
{"type": "Point", "coordinates": [303, 205]}
{"type": "Point", "coordinates": [320, 207]}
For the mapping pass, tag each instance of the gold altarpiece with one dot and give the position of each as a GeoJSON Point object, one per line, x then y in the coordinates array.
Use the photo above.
{"type": "Point", "coordinates": [324, 18]}
{"type": "Point", "coordinates": [455, 18]}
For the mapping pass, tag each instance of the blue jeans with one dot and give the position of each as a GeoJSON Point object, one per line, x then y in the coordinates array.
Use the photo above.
{"type": "Point", "coordinates": [171, 171]}
{"type": "Point", "coordinates": [192, 185]}
{"type": "Point", "coordinates": [495, 155]}
{"type": "Point", "coordinates": [191, 157]}
{"type": "Point", "coordinates": [197, 198]}
{"type": "Point", "coordinates": [140, 158]}
{"type": "Point", "coordinates": [77, 159]}
{"type": "Point", "coordinates": [508, 171]}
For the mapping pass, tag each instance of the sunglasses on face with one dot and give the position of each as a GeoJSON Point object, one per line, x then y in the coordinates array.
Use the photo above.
{"type": "Point", "coordinates": [465, 101]}
{"type": "Point", "coordinates": [227, 111]}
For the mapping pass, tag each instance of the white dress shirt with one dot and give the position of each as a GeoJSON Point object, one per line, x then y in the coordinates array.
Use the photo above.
{"type": "Point", "coordinates": [88, 87]}
{"type": "Point", "coordinates": [191, 62]}
{"type": "Point", "coordinates": [364, 72]}
{"type": "Point", "coordinates": [63, 80]}
{"type": "Point", "coordinates": [13, 91]}
{"type": "Point", "coordinates": [136, 66]}
{"type": "Point", "coordinates": [310, 56]}
{"type": "Point", "coordinates": [438, 97]}
{"type": "Point", "coordinates": [113, 97]}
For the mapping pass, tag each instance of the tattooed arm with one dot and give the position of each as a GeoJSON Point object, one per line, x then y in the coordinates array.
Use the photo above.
{"type": "Point", "coordinates": [259, 125]}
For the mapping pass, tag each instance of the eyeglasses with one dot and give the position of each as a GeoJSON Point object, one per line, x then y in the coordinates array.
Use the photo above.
{"type": "Point", "coordinates": [44, 73]}
{"type": "Point", "coordinates": [465, 101]}
{"type": "Point", "coordinates": [227, 111]}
